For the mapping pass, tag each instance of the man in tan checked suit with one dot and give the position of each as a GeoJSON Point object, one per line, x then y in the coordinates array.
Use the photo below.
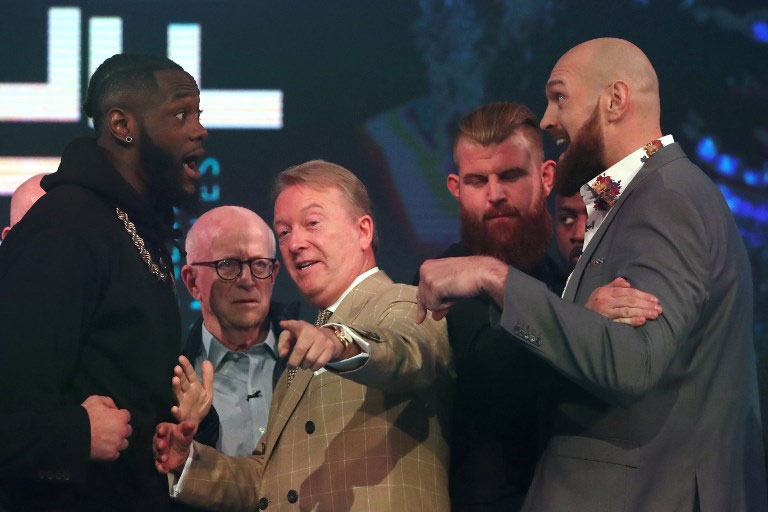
{"type": "Point", "coordinates": [361, 424]}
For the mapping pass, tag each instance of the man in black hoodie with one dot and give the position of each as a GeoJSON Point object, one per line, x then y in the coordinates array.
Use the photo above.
{"type": "Point", "coordinates": [89, 311]}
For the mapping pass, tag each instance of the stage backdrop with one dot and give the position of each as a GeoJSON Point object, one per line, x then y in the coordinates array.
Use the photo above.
{"type": "Point", "coordinates": [377, 85]}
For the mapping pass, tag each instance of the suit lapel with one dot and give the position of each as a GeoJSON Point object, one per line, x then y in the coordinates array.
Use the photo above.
{"type": "Point", "coordinates": [284, 402]}
{"type": "Point", "coordinates": [286, 399]}
{"type": "Point", "coordinates": [663, 157]}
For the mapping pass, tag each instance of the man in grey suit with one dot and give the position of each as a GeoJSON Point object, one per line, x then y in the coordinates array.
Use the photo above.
{"type": "Point", "coordinates": [666, 415]}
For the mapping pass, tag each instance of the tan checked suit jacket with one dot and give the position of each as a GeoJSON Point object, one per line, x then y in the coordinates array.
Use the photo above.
{"type": "Point", "coordinates": [370, 439]}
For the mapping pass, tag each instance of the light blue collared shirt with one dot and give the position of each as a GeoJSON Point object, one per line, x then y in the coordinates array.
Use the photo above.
{"type": "Point", "coordinates": [238, 375]}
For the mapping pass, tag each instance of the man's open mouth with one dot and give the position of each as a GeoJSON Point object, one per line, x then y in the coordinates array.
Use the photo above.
{"type": "Point", "coordinates": [304, 265]}
{"type": "Point", "coordinates": [191, 165]}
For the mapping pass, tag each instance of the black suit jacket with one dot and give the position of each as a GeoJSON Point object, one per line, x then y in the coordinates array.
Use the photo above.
{"type": "Point", "coordinates": [208, 431]}
{"type": "Point", "coordinates": [502, 405]}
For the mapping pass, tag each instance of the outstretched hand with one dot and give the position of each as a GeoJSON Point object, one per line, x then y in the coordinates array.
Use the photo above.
{"type": "Point", "coordinates": [194, 398]}
{"type": "Point", "coordinates": [171, 445]}
{"type": "Point", "coordinates": [619, 302]}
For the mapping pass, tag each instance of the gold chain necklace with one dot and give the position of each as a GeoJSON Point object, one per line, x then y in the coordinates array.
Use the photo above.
{"type": "Point", "coordinates": [139, 243]}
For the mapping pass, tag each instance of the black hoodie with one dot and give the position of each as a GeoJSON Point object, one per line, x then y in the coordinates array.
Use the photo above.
{"type": "Point", "coordinates": [81, 314]}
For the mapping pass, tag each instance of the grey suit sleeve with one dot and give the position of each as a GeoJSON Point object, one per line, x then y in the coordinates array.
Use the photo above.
{"type": "Point", "coordinates": [660, 246]}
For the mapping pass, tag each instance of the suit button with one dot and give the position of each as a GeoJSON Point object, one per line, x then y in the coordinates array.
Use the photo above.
{"type": "Point", "coordinates": [293, 496]}
{"type": "Point", "coordinates": [309, 427]}
{"type": "Point", "coordinates": [263, 504]}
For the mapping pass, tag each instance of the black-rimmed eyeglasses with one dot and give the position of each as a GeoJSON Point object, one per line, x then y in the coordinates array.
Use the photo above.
{"type": "Point", "coordinates": [230, 269]}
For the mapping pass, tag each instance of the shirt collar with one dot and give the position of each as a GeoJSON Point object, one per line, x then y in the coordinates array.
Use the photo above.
{"type": "Point", "coordinates": [619, 174]}
{"type": "Point", "coordinates": [215, 351]}
{"type": "Point", "coordinates": [356, 282]}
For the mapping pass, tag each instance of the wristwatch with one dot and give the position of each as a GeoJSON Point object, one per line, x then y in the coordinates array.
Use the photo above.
{"type": "Point", "coordinates": [342, 335]}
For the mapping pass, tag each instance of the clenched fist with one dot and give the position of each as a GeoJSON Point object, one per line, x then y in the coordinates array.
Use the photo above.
{"type": "Point", "coordinates": [110, 427]}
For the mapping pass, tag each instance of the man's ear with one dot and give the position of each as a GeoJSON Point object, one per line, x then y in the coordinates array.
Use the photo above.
{"type": "Point", "coordinates": [190, 280]}
{"type": "Point", "coordinates": [548, 175]}
{"type": "Point", "coordinates": [121, 124]}
{"type": "Point", "coordinates": [6, 229]}
{"type": "Point", "coordinates": [365, 228]}
{"type": "Point", "coordinates": [452, 183]}
{"type": "Point", "coordinates": [618, 100]}
{"type": "Point", "coordinates": [274, 270]}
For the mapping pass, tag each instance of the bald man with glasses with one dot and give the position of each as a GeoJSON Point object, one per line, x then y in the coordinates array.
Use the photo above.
{"type": "Point", "coordinates": [231, 270]}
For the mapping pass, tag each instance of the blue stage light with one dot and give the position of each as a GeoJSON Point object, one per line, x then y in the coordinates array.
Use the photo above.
{"type": "Point", "coordinates": [761, 214]}
{"type": "Point", "coordinates": [760, 31]}
{"type": "Point", "coordinates": [727, 165]}
{"type": "Point", "coordinates": [706, 149]}
{"type": "Point", "coordinates": [751, 177]}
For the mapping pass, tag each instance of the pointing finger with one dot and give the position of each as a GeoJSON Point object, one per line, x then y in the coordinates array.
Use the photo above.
{"type": "Point", "coordinates": [285, 342]}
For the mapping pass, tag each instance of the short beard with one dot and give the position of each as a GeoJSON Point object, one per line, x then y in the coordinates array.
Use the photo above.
{"type": "Point", "coordinates": [164, 176]}
{"type": "Point", "coordinates": [584, 159]}
{"type": "Point", "coordinates": [522, 244]}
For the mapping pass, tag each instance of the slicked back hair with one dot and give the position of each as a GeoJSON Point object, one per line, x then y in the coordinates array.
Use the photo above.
{"type": "Point", "coordinates": [320, 175]}
{"type": "Point", "coordinates": [119, 73]}
{"type": "Point", "coordinates": [494, 122]}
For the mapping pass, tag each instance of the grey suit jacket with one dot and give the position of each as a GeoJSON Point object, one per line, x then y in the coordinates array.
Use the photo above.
{"type": "Point", "coordinates": [665, 417]}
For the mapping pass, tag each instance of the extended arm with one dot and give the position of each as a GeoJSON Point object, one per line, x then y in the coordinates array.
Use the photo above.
{"type": "Point", "coordinates": [663, 251]}
{"type": "Point", "coordinates": [404, 356]}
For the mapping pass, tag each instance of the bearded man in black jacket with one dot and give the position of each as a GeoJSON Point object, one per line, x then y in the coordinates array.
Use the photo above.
{"type": "Point", "coordinates": [502, 183]}
{"type": "Point", "coordinates": [89, 312]}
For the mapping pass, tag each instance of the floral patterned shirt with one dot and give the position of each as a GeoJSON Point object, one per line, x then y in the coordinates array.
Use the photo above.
{"type": "Point", "coordinates": [603, 191]}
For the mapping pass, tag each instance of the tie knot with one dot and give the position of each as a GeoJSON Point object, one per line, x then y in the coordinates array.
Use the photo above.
{"type": "Point", "coordinates": [322, 317]}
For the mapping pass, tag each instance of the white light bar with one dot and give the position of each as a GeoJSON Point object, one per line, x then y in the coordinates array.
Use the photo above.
{"type": "Point", "coordinates": [57, 100]}
{"type": "Point", "coordinates": [240, 108]}
{"type": "Point", "coordinates": [236, 108]}
{"type": "Point", "coordinates": [105, 39]}
{"type": "Point", "coordinates": [184, 47]}
{"type": "Point", "coordinates": [15, 170]}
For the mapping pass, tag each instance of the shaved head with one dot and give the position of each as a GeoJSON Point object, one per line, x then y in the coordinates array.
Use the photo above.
{"type": "Point", "coordinates": [25, 196]}
{"type": "Point", "coordinates": [601, 62]}
{"type": "Point", "coordinates": [602, 104]}
{"type": "Point", "coordinates": [22, 200]}
{"type": "Point", "coordinates": [219, 220]}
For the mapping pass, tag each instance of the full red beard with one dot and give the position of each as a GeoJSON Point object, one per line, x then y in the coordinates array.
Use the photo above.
{"type": "Point", "coordinates": [584, 158]}
{"type": "Point", "coordinates": [521, 243]}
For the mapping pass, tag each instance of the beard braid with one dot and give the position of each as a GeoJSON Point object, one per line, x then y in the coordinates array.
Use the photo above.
{"type": "Point", "coordinates": [584, 159]}
{"type": "Point", "coordinates": [521, 243]}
